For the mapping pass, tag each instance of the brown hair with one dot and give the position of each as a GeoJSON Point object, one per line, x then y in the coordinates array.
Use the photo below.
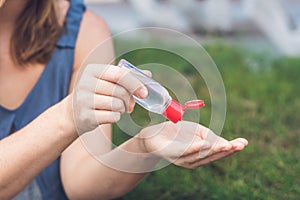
{"type": "Point", "coordinates": [36, 32]}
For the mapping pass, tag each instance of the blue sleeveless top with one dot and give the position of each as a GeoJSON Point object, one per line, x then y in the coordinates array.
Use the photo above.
{"type": "Point", "coordinates": [51, 88]}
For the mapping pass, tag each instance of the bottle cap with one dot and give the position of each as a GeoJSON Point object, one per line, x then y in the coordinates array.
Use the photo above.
{"type": "Point", "coordinates": [194, 104]}
{"type": "Point", "coordinates": [174, 111]}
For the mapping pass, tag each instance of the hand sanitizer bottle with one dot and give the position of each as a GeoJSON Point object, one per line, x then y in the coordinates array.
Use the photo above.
{"type": "Point", "coordinates": [158, 100]}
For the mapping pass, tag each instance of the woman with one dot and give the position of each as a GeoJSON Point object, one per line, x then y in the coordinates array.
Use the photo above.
{"type": "Point", "coordinates": [43, 44]}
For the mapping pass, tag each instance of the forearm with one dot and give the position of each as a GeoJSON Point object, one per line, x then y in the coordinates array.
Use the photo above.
{"type": "Point", "coordinates": [28, 151]}
{"type": "Point", "coordinates": [106, 179]}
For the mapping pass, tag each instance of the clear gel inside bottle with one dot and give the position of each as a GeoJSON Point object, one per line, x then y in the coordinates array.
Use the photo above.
{"type": "Point", "coordinates": [158, 100]}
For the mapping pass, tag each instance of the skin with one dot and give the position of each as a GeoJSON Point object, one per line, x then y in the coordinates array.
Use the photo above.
{"type": "Point", "coordinates": [2, 2]}
{"type": "Point", "coordinates": [54, 133]}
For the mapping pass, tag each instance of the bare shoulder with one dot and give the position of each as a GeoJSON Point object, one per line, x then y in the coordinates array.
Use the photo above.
{"type": "Point", "coordinates": [93, 25]}
{"type": "Point", "coordinates": [93, 32]}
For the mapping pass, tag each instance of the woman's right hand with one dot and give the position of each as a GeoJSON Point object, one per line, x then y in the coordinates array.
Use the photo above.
{"type": "Point", "coordinates": [102, 93]}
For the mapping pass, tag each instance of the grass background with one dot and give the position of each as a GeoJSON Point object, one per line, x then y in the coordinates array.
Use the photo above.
{"type": "Point", "coordinates": [263, 104]}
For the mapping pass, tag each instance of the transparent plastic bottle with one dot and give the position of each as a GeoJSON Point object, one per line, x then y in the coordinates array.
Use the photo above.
{"type": "Point", "coordinates": [158, 100]}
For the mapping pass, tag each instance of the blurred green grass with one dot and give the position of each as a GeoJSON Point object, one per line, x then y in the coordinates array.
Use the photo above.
{"type": "Point", "coordinates": [263, 104]}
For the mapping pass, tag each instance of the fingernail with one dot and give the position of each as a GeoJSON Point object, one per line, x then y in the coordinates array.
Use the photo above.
{"type": "Point", "coordinates": [244, 141]}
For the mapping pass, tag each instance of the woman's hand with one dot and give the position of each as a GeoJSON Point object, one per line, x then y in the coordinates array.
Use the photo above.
{"type": "Point", "coordinates": [188, 144]}
{"type": "Point", "coordinates": [102, 94]}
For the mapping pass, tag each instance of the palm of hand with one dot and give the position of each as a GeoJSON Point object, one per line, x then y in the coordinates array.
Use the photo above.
{"type": "Point", "coordinates": [188, 144]}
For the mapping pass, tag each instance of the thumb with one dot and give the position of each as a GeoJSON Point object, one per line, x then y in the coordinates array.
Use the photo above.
{"type": "Point", "coordinates": [147, 72]}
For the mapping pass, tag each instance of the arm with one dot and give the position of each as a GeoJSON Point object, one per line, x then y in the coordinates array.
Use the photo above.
{"type": "Point", "coordinates": [25, 153]}
{"type": "Point", "coordinates": [40, 142]}
{"type": "Point", "coordinates": [94, 180]}
{"type": "Point", "coordinates": [103, 180]}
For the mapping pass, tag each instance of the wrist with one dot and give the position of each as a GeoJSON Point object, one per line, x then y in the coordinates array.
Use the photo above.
{"type": "Point", "coordinates": [134, 156]}
{"type": "Point", "coordinates": [66, 124]}
{"type": "Point", "coordinates": [141, 146]}
{"type": "Point", "coordinates": [137, 145]}
{"type": "Point", "coordinates": [142, 138]}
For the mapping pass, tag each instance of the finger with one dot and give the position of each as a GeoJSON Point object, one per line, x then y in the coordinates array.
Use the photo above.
{"type": "Point", "coordinates": [219, 155]}
{"type": "Point", "coordinates": [239, 143]}
{"type": "Point", "coordinates": [212, 158]}
{"type": "Point", "coordinates": [106, 117]}
{"type": "Point", "coordinates": [196, 147]}
{"type": "Point", "coordinates": [193, 157]}
{"type": "Point", "coordinates": [121, 76]}
{"type": "Point", "coordinates": [102, 102]}
{"type": "Point", "coordinates": [218, 142]}
{"type": "Point", "coordinates": [221, 145]}
{"type": "Point", "coordinates": [131, 104]}
{"type": "Point", "coordinates": [178, 150]}
{"type": "Point", "coordinates": [208, 135]}
{"type": "Point", "coordinates": [235, 145]}
{"type": "Point", "coordinates": [115, 90]}
{"type": "Point", "coordinates": [201, 131]}
{"type": "Point", "coordinates": [131, 83]}
{"type": "Point", "coordinates": [218, 145]}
